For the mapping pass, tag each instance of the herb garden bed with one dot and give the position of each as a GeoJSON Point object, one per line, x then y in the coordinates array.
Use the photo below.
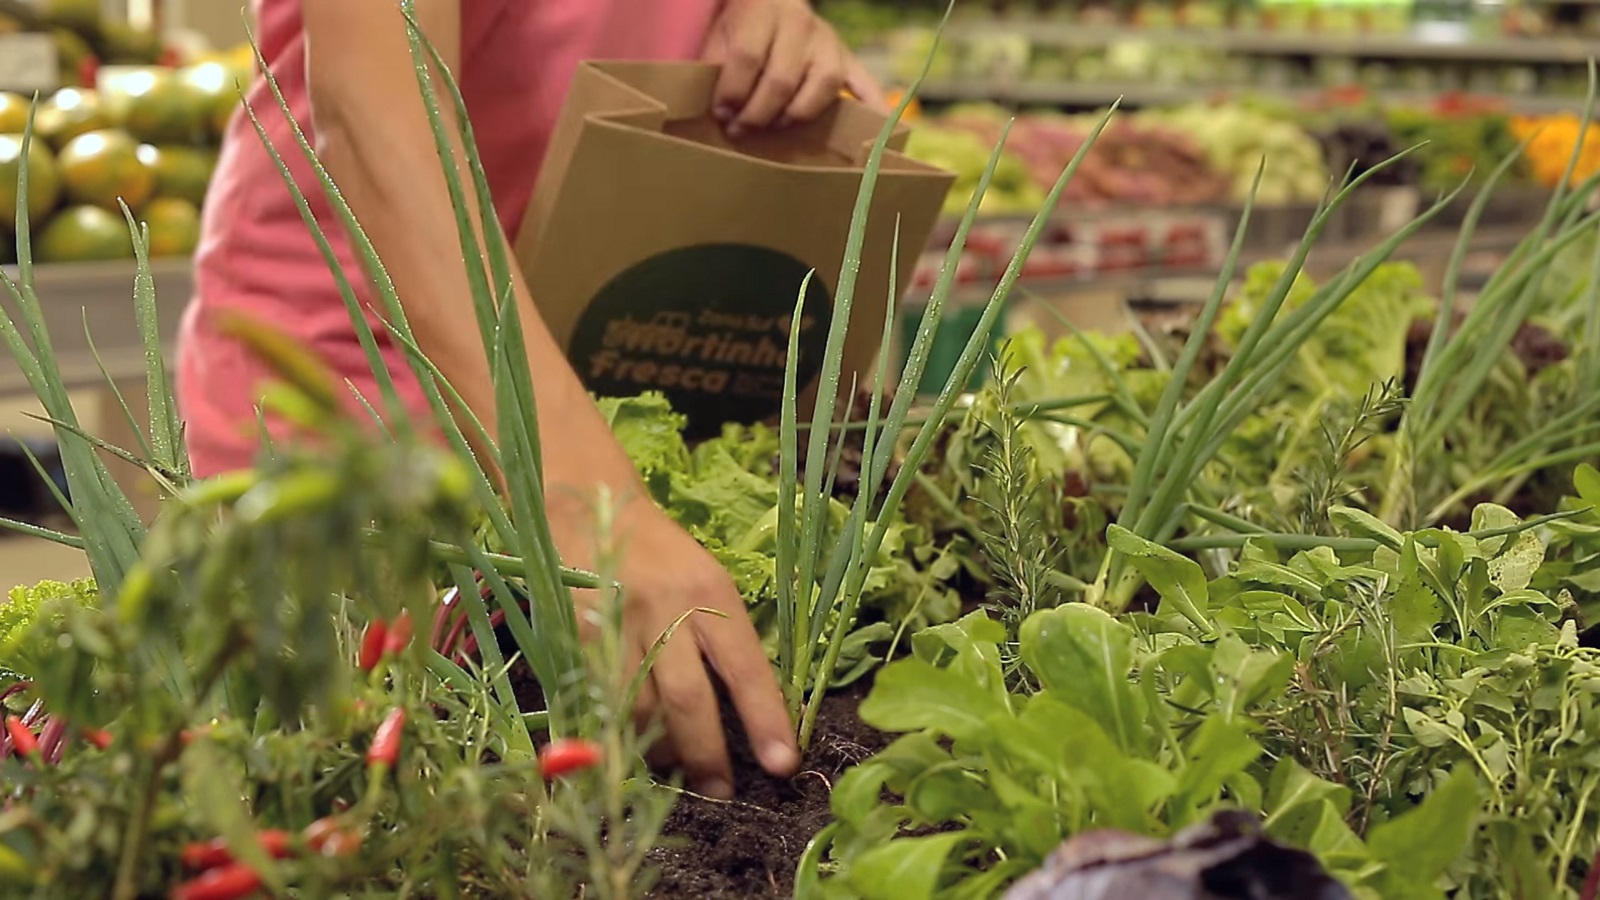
{"type": "Point", "coordinates": [1287, 601]}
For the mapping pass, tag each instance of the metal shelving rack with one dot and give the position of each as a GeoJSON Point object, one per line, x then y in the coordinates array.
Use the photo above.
{"type": "Point", "coordinates": [1023, 92]}
{"type": "Point", "coordinates": [1537, 51]}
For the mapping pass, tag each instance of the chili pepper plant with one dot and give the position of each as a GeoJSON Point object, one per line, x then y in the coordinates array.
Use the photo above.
{"type": "Point", "coordinates": [272, 757]}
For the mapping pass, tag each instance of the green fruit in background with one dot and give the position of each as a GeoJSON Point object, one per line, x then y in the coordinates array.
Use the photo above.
{"type": "Point", "coordinates": [13, 113]}
{"type": "Point", "coordinates": [44, 183]}
{"type": "Point", "coordinates": [157, 107]}
{"type": "Point", "coordinates": [83, 234]}
{"type": "Point", "coordinates": [83, 15]}
{"type": "Point", "coordinates": [174, 227]}
{"type": "Point", "coordinates": [181, 171]}
{"type": "Point", "coordinates": [126, 45]}
{"type": "Point", "coordinates": [215, 87]}
{"type": "Point", "coordinates": [101, 167]}
{"type": "Point", "coordinates": [68, 113]}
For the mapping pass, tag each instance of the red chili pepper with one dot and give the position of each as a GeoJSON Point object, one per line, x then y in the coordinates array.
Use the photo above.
{"type": "Point", "coordinates": [23, 743]}
{"type": "Point", "coordinates": [372, 643]}
{"type": "Point", "coordinates": [229, 882]}
{"type": "Point", "coordinates": [385, 749]}
{"type": "Point", "coordinates": [568, 755]}
{"type": "Point", "coordinates": [210, 854]}
{"type": "Point", "coordinates": [99, 738]}
{"type": "Point", "coordinates": [330, 837]}
{"type": "Point", "coordinates": [399, 634]}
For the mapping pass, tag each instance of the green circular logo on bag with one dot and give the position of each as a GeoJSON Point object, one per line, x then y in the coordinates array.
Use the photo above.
{"type": "Point", "coordinates": [708, 326]}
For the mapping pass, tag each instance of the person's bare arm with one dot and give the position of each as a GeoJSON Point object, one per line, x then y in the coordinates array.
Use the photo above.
{"type": "Point", "coordinates": [374, 137]}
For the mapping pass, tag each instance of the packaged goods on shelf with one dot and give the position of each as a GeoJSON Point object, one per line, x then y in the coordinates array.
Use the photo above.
{"type": "Point", "coordinates": [970, 269]}
{"type": "Point", "coordinates": [1059, 261]}
{"type": "Point", "coordinates": [1077, 245]}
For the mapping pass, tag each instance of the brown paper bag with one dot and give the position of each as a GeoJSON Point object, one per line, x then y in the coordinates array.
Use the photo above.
{"type": "Point", "coordinates": [663, 257]}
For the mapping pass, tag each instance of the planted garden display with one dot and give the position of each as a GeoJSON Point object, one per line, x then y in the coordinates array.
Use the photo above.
{"type": "Point", "coordinates": [1291, 599]}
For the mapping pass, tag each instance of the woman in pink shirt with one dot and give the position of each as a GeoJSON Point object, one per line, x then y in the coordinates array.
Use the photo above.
{"type": "Point", "coordinates": [346, 68]}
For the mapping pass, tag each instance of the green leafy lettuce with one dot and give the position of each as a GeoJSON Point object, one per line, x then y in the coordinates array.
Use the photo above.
{"type": "Point", "coordinates": [725, 493]}
{"type": "Point", "coordinates": [1361, 343]}
{"type": "Point", "coordinates": [25, 619]}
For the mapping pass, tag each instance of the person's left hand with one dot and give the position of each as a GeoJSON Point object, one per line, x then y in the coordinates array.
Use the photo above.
{"type": "Point", "coordinates": [781, 63]}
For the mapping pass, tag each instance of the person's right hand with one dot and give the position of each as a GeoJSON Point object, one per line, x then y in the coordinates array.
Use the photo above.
{"type": "Point", "coordinates": [665, 573]}
{"type": "Point", "coordinates": [781, 62]}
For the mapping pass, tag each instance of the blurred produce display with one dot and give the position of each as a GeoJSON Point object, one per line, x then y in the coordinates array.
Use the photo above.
{"type": "Point", "coordinates": [1207, 153]}
{"type": "Point", "coordinates": [132, 125]}
{"type": "Point", "coordinates": [84, 38]}
{"type": "Point", "coordinates": [1551, 143]}
{"type": "Point", "coordinates": [1532, 54]}
{"type": "Point", "coordinates": [1012, 188]}
{"type": "Point", "coordinates": [1459, 142]}
{"type": "Point", "coordinates": [1450, 139]}
{"type": "Point", "coordinates": [136, 125]}
{"type": "Point", "coordinates": [1236, 138]}
{"type": "Point", "coordinates": [144, 135]}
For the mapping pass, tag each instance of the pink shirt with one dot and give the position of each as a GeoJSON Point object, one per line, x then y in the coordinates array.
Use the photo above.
{"type": "Point", "coordinates": [256, 254]}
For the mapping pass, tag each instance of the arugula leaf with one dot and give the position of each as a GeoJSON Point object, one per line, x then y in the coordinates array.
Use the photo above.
{"type": "Point", "coordinates": [1419, 846]}
{"type": "Point", "coordinates": [911, 695]}
{"type": "Point", "coordinates": [905, 869]}
{"type": "Point", "coordinates": [1085, 657]}
{"type": "Point", "coordinates": [1219, 751]}
{"type": "Point", "coordinates": [1178, 579]}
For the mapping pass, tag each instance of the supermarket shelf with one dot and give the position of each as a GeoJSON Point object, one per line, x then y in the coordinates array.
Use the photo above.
{"type": "Point", "coordinates": [1125, 282]}
{"type": "Point", "coordinates": [1325, 258]}
{"type": "Point", "coordinates": [1061, 93]}
{"type": "Point", "coordinates": [99, 296]}
{"type": "Point", "coordinates": [1534, 51]}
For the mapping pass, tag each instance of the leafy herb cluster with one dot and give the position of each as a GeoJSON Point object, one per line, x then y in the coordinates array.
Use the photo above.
{"type": "Point", "coordinates": [1400, 711]}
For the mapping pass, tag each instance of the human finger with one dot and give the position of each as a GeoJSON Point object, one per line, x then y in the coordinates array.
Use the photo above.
{"type": "Point", "coordinates": [689, 710]}
{"type": "Point", "coordinates": [822, 83]}
{"type": "Point", "coordinates": [741, 48]}
{"type": "Point", "coordinates": [864, 86]}
{"type": "Point", "coordinates": [788, 61]}
{"type": "Point", "coordinates": [733, 648]}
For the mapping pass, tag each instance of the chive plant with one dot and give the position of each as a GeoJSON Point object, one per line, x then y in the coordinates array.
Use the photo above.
{"type": "Point", "coordinates": [101, 512]}
{"type": "Point", "coordinates": [1456, 365]}
{"type": "Point", "coordinates": [1185, 435]}
{"type": "Point", "coordinates": [818, 593]}
{"type": "Point", "coordinates": [513, 449]}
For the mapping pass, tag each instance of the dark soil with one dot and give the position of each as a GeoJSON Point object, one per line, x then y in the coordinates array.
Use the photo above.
{"type": "Point", "coordinates": [749, 847]}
